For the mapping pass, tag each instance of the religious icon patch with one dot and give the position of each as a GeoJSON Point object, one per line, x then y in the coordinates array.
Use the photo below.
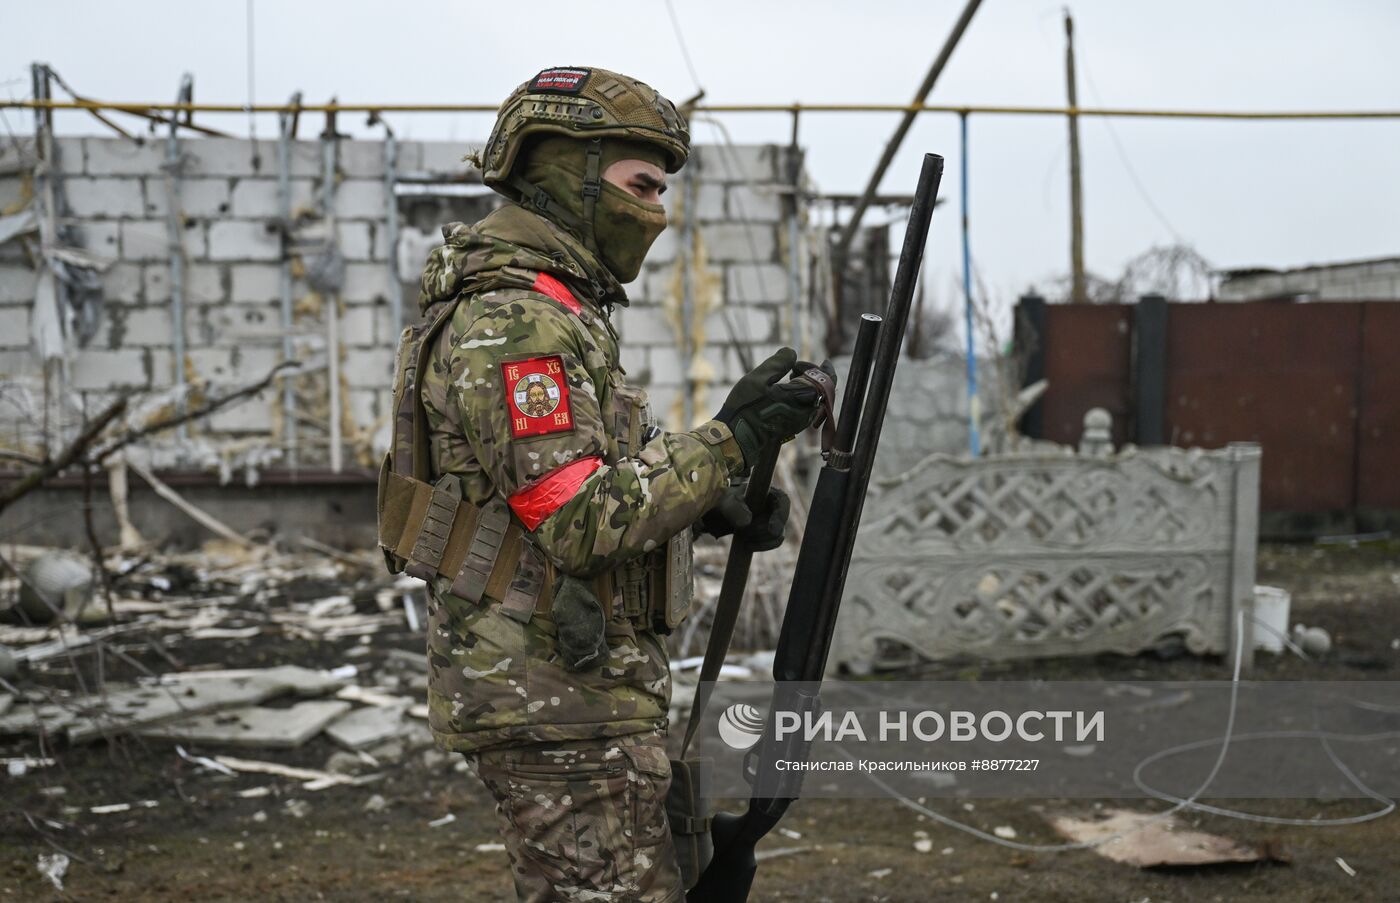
{"type": "Point", "coordinates": [537, 396]}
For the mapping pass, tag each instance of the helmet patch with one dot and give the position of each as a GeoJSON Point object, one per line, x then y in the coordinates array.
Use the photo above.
{"type": "Point", "coordinates": [560, 81]}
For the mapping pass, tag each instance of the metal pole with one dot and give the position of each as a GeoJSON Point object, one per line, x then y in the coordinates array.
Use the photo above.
{"type": "Point", "coordinates": [332, 299]}
{"type": "Point", "coordinates": [46, 173]}
{"type": "Point", "coordinates": [687, 293]}
{"type": "Point", "coordinates": [285, 122]}
{"type": "Point", "coordinates": [974, 405]}
{"type": "Point", "coordinates": [798, 335]}
{"type": "Point", "coordinates": [1078, 292]}
{"type": "Point", "coordinates": [843, 247]}
{"type": "Point", "coordinates": [391, 203]}
{"type": "Point", "coordinates": [176, 248]}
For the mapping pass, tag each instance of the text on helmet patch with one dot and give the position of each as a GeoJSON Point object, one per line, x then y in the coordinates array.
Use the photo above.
{"type": "Point", "coordinates": [537, 396]}
{"type": "Point", "coordinates": [560, 81]}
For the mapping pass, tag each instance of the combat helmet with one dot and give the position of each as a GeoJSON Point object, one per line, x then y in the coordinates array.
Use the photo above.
{"type": "Point", "coordinates": [585, 103]}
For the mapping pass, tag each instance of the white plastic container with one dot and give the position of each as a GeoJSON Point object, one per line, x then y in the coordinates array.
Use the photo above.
{"type": "Point", "coordinates": [1271, 605]}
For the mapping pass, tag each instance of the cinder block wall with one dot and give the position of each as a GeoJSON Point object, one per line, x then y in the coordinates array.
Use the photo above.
{"type": "Point", "coordinates": [116, 197]}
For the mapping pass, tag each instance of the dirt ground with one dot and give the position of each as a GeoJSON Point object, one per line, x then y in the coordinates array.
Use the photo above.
{"type": "Point", "coordinates": [205, 842]}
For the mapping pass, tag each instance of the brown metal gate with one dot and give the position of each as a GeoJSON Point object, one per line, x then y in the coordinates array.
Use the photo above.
{"type": "Point", "coordinates": [1316, 384]}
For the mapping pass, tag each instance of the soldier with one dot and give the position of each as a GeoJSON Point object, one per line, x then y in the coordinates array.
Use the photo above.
{"type": "Point", "coordinates": [550, 516]}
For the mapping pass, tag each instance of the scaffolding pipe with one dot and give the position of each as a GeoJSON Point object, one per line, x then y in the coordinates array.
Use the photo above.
{"type": "Point", "coordinates": [1002, 110]}
{"type": "Point", "coordinates": [46, 173]}
{"type": "Point", "coordinates": [687, 294]}
{"type": "Point", "coordinates": [332, 298]}
{"type": "Point", "coordinates": [974, 406]}
{"type": "Point", "coordinates": [391, 216]}
{"type": "Point", "coordinates": [284, 202]}
{"type": "Point", "coordinates": [176, 249]}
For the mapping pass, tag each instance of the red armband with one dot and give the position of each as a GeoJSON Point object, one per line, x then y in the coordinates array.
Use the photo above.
{"type": "Point", "coordinates": [536, 501]}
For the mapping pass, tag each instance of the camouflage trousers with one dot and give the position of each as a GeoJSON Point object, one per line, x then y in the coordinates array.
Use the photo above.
{"type": "Point", "coordinates": [585, 820]}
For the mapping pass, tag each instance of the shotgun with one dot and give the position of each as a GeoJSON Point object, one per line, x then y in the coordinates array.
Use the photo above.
{"type": "Point", "coordinates": [822, 563]}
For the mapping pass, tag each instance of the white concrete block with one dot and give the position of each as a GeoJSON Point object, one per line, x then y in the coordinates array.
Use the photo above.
{"type": "Point", "coordinates": [360, 199]}
{"type": "Point", "coordinates": [225, 157]}
{"type": "Point", "coordinates": [251, 415]}
{"type": "Point", "coordinates": [97, 368]}
{"type": "Point", "coordinates": [12, 191]}
{"type": "Point", "coordinates": [237, 364]}
{"type": "Point", "coordinates": [16, 365]}
{"type": "Point", "coordinates": [256, 198]}
{"type": "Point", "coordinates": [667, 367]}
{"type": "Point", "coordinates": [304, 159]}
{"type": "Point", "coordinates": [365, 406]}
{"type": "Point", "coordinates": [199, 198]}
{"type": "Point", "coordinates": [355, 239]}
{"type": "Point", "coordinates": [444, 158]}
{"type": "Point", "coordinates": [736, 163]}
{"type": "Point", "coordinates": [17, 284]}
{"type": "Point", "coordinates": [101, 238]}
{"type": "Point", "coordinates": [763, 283]}
{"type": "Point", "coordinates": [357, 324]}
{"type": "Point", "coordinates": [240, 240]}
{"type": "Point", "coordinates": [739, 242]}
{"type": "Point", "coordinates": [369, 368]}
{"type": "Point", "coordinates": [760, 203]}
{"type": "Point", "coordinates": [17, 154]}
{"type": "Point", "coordinates": [366, 282]}
{"type": "Point", "coordinates": [709, 201]}
{"type": "Point", "coordinates": [14, 326]}
{"type": "Point", "coordinates": [229, 323]}
{"type": "Point", "coordinates": [206, 282]}
{"type": "Point", "coordinates": [663, 250]}
{"type": "Point", "coordinates": [121, 157]}
{"type": "Point", "coordinates": [256, 283]}
{"type": "Point", "coordinates": [138, 327]}
{"type": "Point", "coordinates": [644, 324]}
{"type": "Point", "coordinates": [362, 159]}
{"type": "Point", "coordinates": [636, 361]}
{"type": "Point", "coordinates": [155, 282]}
{"type": "Point", "coordinates": [104, 198]}
{"type": "Point", "coordinates": [145, 240]}
{"type": "Point", "coordinates": [752, 324]}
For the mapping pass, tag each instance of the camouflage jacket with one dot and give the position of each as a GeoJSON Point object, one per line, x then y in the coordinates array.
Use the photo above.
{"type": "Point", "coordinates": [525, 398]}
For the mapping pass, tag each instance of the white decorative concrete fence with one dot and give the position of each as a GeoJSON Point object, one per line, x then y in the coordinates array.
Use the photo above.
{"type": "Point", "coordinates": [1045, 553]}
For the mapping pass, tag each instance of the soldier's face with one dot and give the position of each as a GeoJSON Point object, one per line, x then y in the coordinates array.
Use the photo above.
{"type": "Point", "coordinates": [644, 181]}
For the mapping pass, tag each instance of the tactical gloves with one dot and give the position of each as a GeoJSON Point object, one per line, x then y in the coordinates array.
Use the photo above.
{"type": "Point", "coordinates": [763, 529]}
{"type": "Point", "coordinates": [578, 617]}
{"type": "Point", "coordinates": [761, 410]}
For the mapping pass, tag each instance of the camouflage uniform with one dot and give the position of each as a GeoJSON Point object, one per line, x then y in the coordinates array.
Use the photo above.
{"type": "Point", "coordinates": [526, 400]}
{"type": "Point", "coordinates": [529, 435]}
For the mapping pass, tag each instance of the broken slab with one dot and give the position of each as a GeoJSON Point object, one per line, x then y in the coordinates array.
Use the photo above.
{"type": "Point", "coordinates": [6, 700]}
{"type": "Point", "coordinates": [367, 726]}
{"type": "Point", "coordinates": [1149, 840]}
{"type": "Point", "coordinates": [254, 727]}
{"type": "Point", "coordinates": [172, 700]}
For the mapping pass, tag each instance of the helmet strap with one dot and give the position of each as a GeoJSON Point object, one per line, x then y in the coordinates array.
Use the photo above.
{"type": "Point", "coordinates": [536, 198]}
{"type": "Point", "coordinates": [592, 186]}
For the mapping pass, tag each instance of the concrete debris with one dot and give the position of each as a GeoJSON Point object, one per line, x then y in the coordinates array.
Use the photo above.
{"type": "Point", "coordinates": [490, 848]}
{"type": "Point", "coordinates": [1342, 864]}
{"type": "Point", "coordinates": [376, 803]}
{"type": "Point", "coordinates": [1148, 840]}
{"type": "Point", "coordinates": [9, 665]}
{"type": "Point", "coordinates": [54, 866]}
{"type": "Point", "coordinates": [311, 778]}
{"type": "Point", "coordinates": [255, 726]}
{"type": "Point", "coordinates": [55, 585]}
{"type": "Point", "coordinates": [6, 700]}
{"type": "Point", "coordinates": [18, 766]}
{"type": "Point", "coordinates": [114, 808]}
{"type": "Point", "coordinates": [366, 726]}
{"type": "Point", "coordinates": [447, 819]}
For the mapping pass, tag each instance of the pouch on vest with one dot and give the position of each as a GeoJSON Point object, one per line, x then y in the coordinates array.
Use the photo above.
{"type": "Point", "coordinates": [688, 811]}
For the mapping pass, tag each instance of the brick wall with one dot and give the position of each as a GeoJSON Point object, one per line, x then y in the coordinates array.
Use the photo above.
{"type": "Point", "coordinates": [116, 197]}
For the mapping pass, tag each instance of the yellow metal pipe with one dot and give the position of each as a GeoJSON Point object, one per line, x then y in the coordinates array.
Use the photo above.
{"type": "Point", "coordinates": [1117, 112]}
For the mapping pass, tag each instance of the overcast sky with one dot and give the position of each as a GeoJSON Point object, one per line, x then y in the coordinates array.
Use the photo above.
{"type": "Point", "coordinates": [1275, 194]}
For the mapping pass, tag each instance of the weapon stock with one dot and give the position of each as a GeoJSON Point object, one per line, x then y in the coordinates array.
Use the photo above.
{"type": "Point", "coordinates": [822, 563]}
